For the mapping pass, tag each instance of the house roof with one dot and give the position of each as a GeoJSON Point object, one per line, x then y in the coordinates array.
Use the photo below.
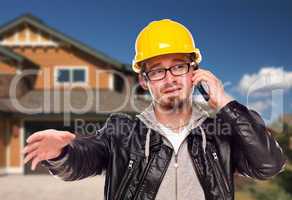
{"type": "Point", "coordinates": [36, 22]}
{"type": "Point", "coordinates": [78, 101]}
{"type": "Point", "coordinates": [8, 55]}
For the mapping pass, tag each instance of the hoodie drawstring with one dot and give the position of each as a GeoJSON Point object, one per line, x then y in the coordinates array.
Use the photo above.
{"type": "Point", "coordinates": [147, 144]}
{"type": "Point", "coordinates": [204, 143]}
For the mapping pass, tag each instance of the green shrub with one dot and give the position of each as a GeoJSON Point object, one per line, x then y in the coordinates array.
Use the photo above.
{"type": "Point", "coordinates": [284, 180]}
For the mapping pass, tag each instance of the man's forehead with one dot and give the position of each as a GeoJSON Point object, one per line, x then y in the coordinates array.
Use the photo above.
{"type": "Point", "coordinates": [168, 57]}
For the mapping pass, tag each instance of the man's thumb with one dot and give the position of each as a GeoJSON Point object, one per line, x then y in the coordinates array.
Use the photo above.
{"type": "Point", "coordinates": [68, 137]}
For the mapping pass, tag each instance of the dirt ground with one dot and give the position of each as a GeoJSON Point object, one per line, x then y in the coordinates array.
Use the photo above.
{"type": "Point", "coordinates": [46, 187]}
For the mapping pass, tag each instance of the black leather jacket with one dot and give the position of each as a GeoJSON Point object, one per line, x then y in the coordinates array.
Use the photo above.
{"type": "Point", "coordinates": [237, 142]}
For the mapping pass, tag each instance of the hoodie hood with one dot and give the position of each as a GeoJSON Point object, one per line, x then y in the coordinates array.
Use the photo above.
{"type": "Point", "coordinates": [148, 117]}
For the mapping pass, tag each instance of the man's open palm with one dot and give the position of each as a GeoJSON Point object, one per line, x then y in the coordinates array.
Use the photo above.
{"type": "Point", "coordinates": [44, 145]}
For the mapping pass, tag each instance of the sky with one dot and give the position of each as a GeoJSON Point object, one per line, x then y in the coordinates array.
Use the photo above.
{"type": "Point", "coordinates": [247, 44]}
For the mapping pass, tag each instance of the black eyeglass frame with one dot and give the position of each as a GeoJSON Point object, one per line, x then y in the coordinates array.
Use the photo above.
{"type": "Point", "coordinates": [190, 64]}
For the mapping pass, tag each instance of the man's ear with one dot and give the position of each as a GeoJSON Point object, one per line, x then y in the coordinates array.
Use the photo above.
{"type": "Point", "coordinates": [142, 81]}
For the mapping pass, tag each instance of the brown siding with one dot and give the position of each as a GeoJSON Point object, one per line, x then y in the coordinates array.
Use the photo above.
{"type": "Point", "coordinates": [6, 86]}
{"type": "Point", "coordinates": [50, 58]}
{"type": "Point", "coordinates": [103, 80]}
{"type": "Point", "coordinates": [7, 69]}
{"type": "Point", "coordinates": [7, 73]}
{"type": "Point", "coordinates": [15, 144]}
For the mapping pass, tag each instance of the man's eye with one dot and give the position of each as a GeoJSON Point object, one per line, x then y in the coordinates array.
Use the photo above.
{"type": "Point", "coordinates": [157, 71]}
{"type": "Point", "coordinates": [179, 67]}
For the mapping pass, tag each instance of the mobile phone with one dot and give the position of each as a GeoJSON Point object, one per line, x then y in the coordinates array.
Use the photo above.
{"type": "Point", "coordinates": [203, 89]}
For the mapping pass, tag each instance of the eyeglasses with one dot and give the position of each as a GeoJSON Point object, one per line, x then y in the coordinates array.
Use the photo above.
{"type": "Point", "coordinates": [176, 70]}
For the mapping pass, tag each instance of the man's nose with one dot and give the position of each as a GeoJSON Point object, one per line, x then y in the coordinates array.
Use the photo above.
{"type": "Point", "coordinates": [169, 77]}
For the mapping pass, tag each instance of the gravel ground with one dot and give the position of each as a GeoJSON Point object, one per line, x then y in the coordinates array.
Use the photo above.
{"type": "Point", "coordinates": [46, 187]}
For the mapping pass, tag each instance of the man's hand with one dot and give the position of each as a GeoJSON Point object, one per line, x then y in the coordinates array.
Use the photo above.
{"type": "Point", "coordinates": [44, 145]}
{"type": "Point", "coordinates": [218, 98]}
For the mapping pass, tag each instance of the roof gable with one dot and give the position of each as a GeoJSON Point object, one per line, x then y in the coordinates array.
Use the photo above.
{"type": "Point", "coordinates": [47, 36]}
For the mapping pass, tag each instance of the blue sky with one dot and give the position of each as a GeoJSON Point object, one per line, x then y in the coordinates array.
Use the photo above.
{"type": "Point", "coordinates": [242, 41]}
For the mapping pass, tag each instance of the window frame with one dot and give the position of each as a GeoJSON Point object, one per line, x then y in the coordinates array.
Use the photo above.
{"type": "Point", "coordinates": [71, 82]}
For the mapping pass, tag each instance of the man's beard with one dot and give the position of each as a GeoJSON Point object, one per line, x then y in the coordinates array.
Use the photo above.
{"type": "Point", "coordinates": [173, 104]}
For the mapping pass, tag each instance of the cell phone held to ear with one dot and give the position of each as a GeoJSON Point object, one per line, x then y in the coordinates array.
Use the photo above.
{"type": "Point", "coordinates": [203, 89]}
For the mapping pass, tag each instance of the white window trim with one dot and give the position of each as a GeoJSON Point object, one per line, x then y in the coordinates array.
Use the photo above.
{"type": "Point", "coordinates": [111, 81]}
{"type": "Point", "coordinates": [57, 68]}
{"type": "Point", "coordinates": [27, 41]}
{"type": "Point", "coordinates": [22, 145]}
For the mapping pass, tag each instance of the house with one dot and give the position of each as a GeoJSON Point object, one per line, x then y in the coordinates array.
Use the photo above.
{"type": "Point", "coordinates": [50, 80]}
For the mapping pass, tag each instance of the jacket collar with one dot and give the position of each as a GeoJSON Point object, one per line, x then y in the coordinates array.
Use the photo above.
{"type": "Point", "coordinates": [149, 119]}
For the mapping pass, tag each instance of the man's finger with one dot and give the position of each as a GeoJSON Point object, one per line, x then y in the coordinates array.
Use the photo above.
{"type": "Point", "coordinates": [30, 156]}
{"type": "Point", "coordinates": [30, 147]}
{"type": "Point", "coordinates": [206, 73]}
{"type": "Point", "coordinates": [34, 137]}
{"type": "Point", "coordinates": [200, 73]}
{"type": "Point", "coordinates": [35, 162]}
{"type": "Point", "coordinates": [209, 73]}
{"type": "Point", "coordinates": [202, 77]}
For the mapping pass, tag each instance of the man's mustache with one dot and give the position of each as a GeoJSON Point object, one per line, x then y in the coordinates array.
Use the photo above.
{"type": "Point", "coordinates": [170, 87]}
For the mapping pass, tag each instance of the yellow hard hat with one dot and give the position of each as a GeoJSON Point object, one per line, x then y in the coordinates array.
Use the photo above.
{"type": "Point", "coordinates": [163, 37]}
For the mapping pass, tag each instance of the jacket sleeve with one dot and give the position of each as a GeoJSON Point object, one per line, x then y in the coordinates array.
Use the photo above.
{"type": "Point", "coordinates": [85, 156]}
{"type": "Point", "coordinates": [255, 153]}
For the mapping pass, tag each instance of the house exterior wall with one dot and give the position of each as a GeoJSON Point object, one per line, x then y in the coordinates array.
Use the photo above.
{"type": "Point", "coordinates": [6, 68]}
{"type": "Point", "coordinates": [8, 89]}
{"type": "Point", "coordinates": [51, 58]}
{"type": "Point", "coordinates": [3, 145]}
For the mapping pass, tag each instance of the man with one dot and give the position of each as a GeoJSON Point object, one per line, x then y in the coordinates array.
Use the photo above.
{"type": "Point", "coordinates": [173, 149]}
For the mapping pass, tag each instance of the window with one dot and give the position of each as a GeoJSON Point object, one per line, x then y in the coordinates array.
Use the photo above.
{"type": "Point", "coordinates": [71, 75]}
{"type": "Point", "coordinates": [78, 75]}
{"type": "Point", "coordinates": [63, 76]}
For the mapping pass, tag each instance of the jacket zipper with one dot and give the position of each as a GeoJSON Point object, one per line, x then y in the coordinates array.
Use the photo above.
{"type": "Point", "coordinates": [222, 184]}
{"type": "Point", "coordinates": [144, 175]}
{"type": "Point", "coordinates": [199, 173]}
{"type": "Point", "coordinates": [176, 167]}
{"type": "Point", "coordinates": [126, 178]}
{"type": "Point", "coordinates": [221, 171]}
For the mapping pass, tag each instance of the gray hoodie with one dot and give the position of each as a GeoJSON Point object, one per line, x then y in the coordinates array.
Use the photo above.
{"type": "Point", "coordinates": [180, 181]}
